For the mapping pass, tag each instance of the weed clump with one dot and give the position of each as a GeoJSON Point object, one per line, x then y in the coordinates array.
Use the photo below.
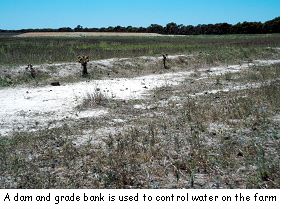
{"type": "Point", "coordinates": [94, 100]}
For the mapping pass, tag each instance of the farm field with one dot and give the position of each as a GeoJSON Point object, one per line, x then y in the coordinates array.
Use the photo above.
{"type": "Point", "coordinates": [210, 119]}
{"type": "Point", "coordinates": [82, 34]}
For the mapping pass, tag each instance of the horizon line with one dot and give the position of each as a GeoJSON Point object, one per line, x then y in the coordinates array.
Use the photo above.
{"type": "Point", "coordinates": [42, 28]}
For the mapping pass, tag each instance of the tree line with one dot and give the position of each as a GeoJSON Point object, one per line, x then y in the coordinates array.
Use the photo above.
{"type": "Point", "coordinates": [271, 26]}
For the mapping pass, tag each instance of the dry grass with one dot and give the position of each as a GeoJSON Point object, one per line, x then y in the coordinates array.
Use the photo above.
{"type": "Point", "coordinates": [187, 138]}
{"type": "Point", "coordinates": [222, 140]}
{"type": "Point", "coordinates": [94, 100]}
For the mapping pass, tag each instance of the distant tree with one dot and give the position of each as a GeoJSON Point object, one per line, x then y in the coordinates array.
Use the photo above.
{"type": "Point", "coordinates": [141, 30]}
{"type": "Point", "coordinates": [119, 29]}
{"type": "Point", "coordinates": [79, 28]}
{"type": "Point", "coordinates": [182, 29]}
{"type": "Point", "coordinates": [154, 28]}
{"type": "Point", "coordinates": [65, 29]}
{"type": "Point", "coordinates": [199, 29]}
{"type": "Point", "coordinates": [102, 29]}
{"type": "Point", "coordinates": [272, 26]}
{"type": "Point", "coordinates": [110, 29]}
{"type": "Point", "coordinates": [171, 28]}
{"type": "Point", "coordinates": [189, 30]}
{"type": "Point", "coordinates": [248, 28]}
{"type": "Point", "coordinates": [93, 30]}
{"type": "Point", "coordinates": [222, 28]}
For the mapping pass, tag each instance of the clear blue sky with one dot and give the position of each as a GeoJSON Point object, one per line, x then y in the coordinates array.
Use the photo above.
{"type": "Point", "coordinates": [17, 14]}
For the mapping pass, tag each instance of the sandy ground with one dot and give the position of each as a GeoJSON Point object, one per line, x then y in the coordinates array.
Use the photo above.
{"type": "Point", "coordinates": [33, 108]}
{"type": "Point", "coordinates": [81, 34]}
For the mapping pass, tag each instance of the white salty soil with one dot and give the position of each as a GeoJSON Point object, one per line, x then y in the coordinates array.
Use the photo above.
{"type": "Point", "coordinates": [33, 108]}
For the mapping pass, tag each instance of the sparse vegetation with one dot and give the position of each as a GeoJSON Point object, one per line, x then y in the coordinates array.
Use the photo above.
{"type": "Point", "coordinates": [203, 51]}
{"type": "Point", "coordinates": [94, 100]}
{"type": "Point", "coordinates": [211, 131]}
{"type": "Point", "coordinates": [213, 49]}
{"type": "Point", "coordinates": [228, 139]}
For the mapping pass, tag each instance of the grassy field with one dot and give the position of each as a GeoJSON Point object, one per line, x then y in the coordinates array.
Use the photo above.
{"type": "Point", "coordinates": [206, 50]}
{"type": "Point", "coordinates": [21, 51]}
{"type": "Point", "coordinates": [211, 131]}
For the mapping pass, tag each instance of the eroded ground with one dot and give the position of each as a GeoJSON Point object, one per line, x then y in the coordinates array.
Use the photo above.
{"type": "Point", "coordinates": [195, 126]}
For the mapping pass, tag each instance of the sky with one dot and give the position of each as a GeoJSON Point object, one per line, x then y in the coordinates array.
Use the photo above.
{"type": "Point", "coordinates": [23, 14]}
